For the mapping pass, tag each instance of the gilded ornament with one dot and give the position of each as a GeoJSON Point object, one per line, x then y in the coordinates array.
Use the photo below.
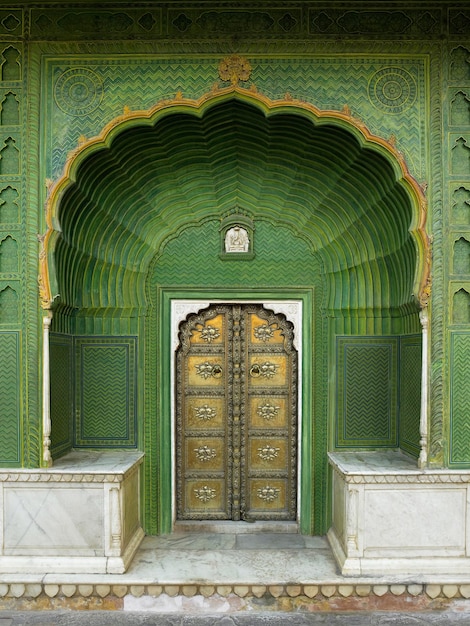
{"type": "Point", "coordinates": [205, 412]}
{"type": "Point", "coordinates": [264, 332]}
{"type": "Point", "coordinates": [209, 333]}
{"type": "Point", "coordinates": [268, 452]}
{"type": "Point", "coordinates": [267, 411]}
{"type": "Point", "coordinates": [268, 494]}
{"type": "Point", "coordinates": [205, 493]}
{"type": "Point", "coordinates": [207, 369]}
{"type": "Point", "coordinates": [263, 370]}
{"type": "Point", "coordinates": [234, 69]}
{"type": "Point", "coordinates": [204, 453]}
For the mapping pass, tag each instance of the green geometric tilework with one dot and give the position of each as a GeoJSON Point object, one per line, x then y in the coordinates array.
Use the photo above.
{"type": "Point", "coordinates": [410, 393]}
{"type": "Point", "coordinates": [61, 360]}
{"type": "Point", "coordinates": [281, 259]}
{"type": "Point", "coordinates": [9, 399]}
{"type": "Point", "coordinates": [460, 399]}
{"type": "Point", "coordinates": [328, 82]}
{"type": "Point", "coordinates": [367, 391]}
{"type": "Point", "coordinates": [105, 392]}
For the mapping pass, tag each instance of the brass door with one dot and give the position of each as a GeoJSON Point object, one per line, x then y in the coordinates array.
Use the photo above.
{"type": "Point", "coordinates": [236, 398]}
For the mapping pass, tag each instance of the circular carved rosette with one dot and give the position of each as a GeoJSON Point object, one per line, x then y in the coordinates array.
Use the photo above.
{"type": "Point", "coordinates": [78, 91]}
{"type": "Point", "coordinates": [392, 90]}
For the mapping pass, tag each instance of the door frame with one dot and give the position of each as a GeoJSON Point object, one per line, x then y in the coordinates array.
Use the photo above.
{"type": "Point", "coordinates": [173, 304]}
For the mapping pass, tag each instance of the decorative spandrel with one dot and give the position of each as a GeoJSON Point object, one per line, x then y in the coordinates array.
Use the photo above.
{"type": "Point", "coordinates": [236, 415]}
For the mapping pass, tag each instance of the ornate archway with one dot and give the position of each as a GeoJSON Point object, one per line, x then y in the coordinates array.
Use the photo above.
{"type": "Point", "coordinates": [138, 209]}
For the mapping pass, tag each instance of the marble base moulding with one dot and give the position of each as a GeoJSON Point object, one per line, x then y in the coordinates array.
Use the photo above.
{"type": "Point", "coordinates": [389, 516]}
{"type": "Point", "coordinates": [81, 515]}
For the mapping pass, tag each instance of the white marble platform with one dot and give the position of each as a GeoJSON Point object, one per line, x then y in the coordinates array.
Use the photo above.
{"type": "Point", "coordinates": [391, 516]}
{"type": "Point", "coordinates": [83, 514]}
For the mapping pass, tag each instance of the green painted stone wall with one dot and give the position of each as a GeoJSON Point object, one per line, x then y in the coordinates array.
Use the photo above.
{"type": "Point", "coordinates": [66, 71]}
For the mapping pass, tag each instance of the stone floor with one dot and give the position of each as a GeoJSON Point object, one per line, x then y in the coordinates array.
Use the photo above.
{"type": "Point", "coordinates": [233, 574]}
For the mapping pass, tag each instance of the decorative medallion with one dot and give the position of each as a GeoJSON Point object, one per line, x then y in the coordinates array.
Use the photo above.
{"type": "Point", "coordinates": [268, 494]}
{"type": "Point", "coordinates": [78, 91]}
{"type": "Point", "coordinates": [234, 69]}
{"type": "Point", "coordinates": [206, 370]}
{"type": "Point", "coordinates": [392, 90]}
{"type": "Point", "coordinates": [268, 452]}
{"type": "Point", "coordinates": [264, 332]}
{"type": "Point", "coordinates": [209, 333]}
{"type": "Point", "coordinates": [205, 412]}
{"type": "Point", "coordinates": [204, 453]}
{"type": "Point", "coordinates": [205, 493]}
{"type": "Point", "coordinates": [267, 411]}
{"type": "Point", "coordinates": [263, 370]}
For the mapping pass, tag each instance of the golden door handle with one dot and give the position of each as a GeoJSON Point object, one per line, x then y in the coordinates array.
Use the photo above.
{"type": "Point", "coordinates": [217, 371]}
{"type": "Point", "coordinates": [255, 371]}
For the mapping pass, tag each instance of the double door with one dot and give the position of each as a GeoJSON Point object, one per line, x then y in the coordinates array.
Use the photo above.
{"type": "Point", "coordinates": [236, 423]}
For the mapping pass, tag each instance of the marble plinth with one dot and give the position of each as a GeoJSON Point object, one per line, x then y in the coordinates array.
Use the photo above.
{"type": "Point", "coordinates": [82, 515]}
{"type": "Point", "coordinates": [390, 516]}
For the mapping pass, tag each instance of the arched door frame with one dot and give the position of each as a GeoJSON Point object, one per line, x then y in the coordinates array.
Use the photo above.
{"type": "Point", "coordinates": [174, 305]}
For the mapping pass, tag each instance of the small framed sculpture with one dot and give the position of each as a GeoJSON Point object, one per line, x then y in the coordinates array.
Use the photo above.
{"type": "Point", "coordinates": [237, 232]}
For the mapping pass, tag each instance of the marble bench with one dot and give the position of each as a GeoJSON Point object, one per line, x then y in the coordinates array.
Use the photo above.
{"type": "Point", "coordinates": [389, 516]}
{"type": "Point", "coordinates": [81, 515]}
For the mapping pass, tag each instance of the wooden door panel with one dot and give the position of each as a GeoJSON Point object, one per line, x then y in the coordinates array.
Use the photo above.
{"type": "Point", "coordinates": [205, 499]}
{"type": "Point", "coordinates": [267, 411]}
{"type": "Point", "coordinates": [236, 415]}
{"type": "Point", "coordinates": [268, 498]}
{"type": "Point", "coordinates": [268, 454]}
{"type": "Point", "coordinates": [205, 413]}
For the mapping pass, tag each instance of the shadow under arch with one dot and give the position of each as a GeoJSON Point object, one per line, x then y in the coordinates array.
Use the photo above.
{"type": "Point", "coordinates": [137, 207]}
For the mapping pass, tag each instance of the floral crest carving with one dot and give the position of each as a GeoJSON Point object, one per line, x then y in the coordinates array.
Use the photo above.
{"type": "Point", "coordinates": [235, 69]}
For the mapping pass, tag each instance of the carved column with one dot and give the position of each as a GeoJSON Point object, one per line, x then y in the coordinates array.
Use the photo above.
{"type": "Point", "coordinates": [46, 393]}
{"type": "Point", "coordinates": [423, 424]}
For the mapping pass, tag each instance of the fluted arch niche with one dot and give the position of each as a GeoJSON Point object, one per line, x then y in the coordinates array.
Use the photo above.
{"type": "Point", "coordinates": [173, 173]}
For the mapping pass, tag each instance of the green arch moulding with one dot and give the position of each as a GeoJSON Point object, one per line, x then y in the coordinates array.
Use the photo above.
{"type": "Point", "coordinates": [353, 245]}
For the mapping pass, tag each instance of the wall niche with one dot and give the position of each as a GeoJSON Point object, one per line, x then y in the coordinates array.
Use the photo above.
{"type": "Point", "coordinates": [461, 157]}
{"type": "Point", "coordinates": [11, 68]}
{"type": "Point", "coordinates": [461, 256]}
{"type": "Point", "coordinates": [8, 255]}
{"type": "Point", "coordinates": [9, 207]}
{"type": "Point", "coordinates": [460, 206]}
{"type": "Point", "coordinates": [8, 306]}
{"type": "Point", "coordinates": [460, 109]}
{"type": "Point", "coordinates": [9, 158]}
{"type": "Point", "coordinates": [461, 307]}
{"type": "Point", "coordinates": [460, 64]}
{"type": "Point", "coordinates": [10, 110]}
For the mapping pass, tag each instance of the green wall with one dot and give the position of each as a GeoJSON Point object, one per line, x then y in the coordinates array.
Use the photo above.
{"type": "Point", "coordinates": [67, 72]}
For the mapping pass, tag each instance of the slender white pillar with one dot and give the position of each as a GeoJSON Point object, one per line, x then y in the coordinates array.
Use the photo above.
{"type": "Point", "coordinates": [46, 392]}
{"type": "Point", "coordinates": [423, 422]}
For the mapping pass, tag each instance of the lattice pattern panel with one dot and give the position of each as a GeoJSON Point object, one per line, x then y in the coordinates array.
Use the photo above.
{"type": "Point", "coordinates": [460, 399]}
{"type": "Point", "coordinates": [105, 391]}
{"type": "Point", "coordinates": [410, 393]}
{"type": "Point", "coordinates": [10, 418]}
{"type": "Point", "coordinates": [61, 371]}
{"type": "Point", "coordinates": [367, 391]}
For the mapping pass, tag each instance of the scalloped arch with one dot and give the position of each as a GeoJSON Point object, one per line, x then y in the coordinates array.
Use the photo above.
{"type": "Point", "coordinates": [151, 173]}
